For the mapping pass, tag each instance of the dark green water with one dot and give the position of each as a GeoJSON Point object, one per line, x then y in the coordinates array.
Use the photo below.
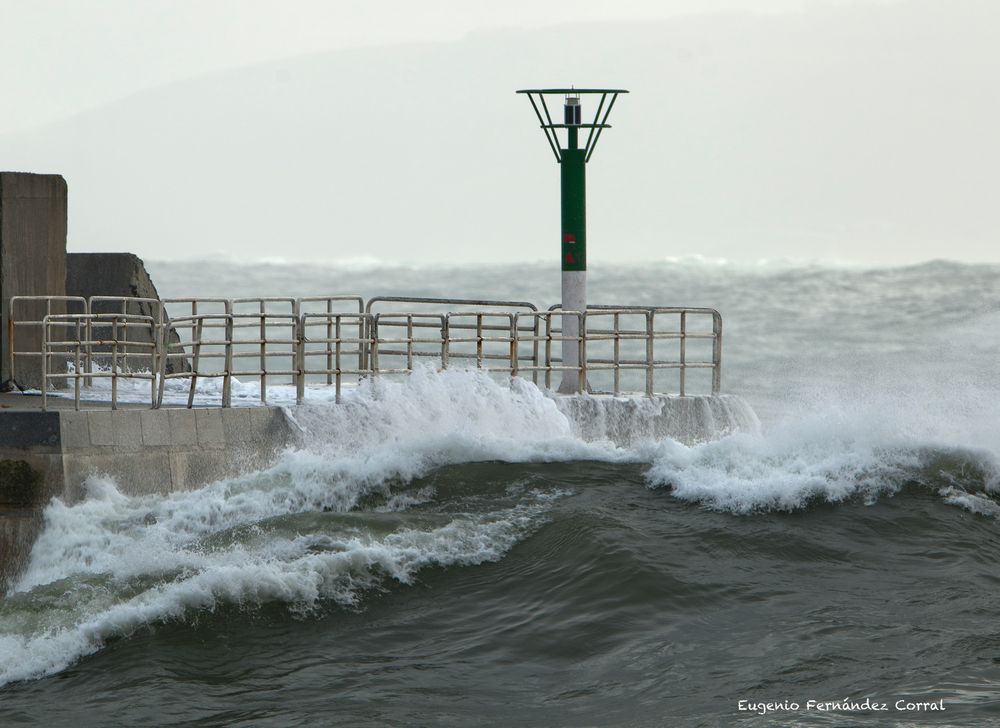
{"type": "Point", "coordinates": [621, 605]}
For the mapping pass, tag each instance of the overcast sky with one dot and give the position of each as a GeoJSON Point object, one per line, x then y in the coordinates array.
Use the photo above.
{"type": "Point", "coordinates": [860, 131]}
{"type": "Point", "coordinates": [64, 56]}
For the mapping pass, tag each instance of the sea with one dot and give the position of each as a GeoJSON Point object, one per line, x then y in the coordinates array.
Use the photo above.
{"type": "Point", "coordinates": [443, 551]}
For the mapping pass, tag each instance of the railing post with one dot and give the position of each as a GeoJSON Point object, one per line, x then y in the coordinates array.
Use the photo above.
{"type": "Point", "coordinates": [374, 346]}
{"type": "Point", "coordinates": [683, 350]}
{"type": "Point", "coordinates": [164, 338]}
{"type": "Point", "coordinates": [329, 335]}
{"type": "Point", "coordinates": [617, 352]}
{"type": "Point", "coordinates": [197, 329]}
{"type": "Point", "coordinates": [513, 346]}
{"type": "Point", "coordinates": [10, 339]}
{"type": "Point", "coordinates": [125, 365]}
{"type": "Point", "coordinates": [479, 341]}
{"type": "Point", "coordinates": [157, 337]}
{"type": "Point", "coordinates": [263, 352]}
{"type": "Point", "coordinates": [227, 375]}
{"type": "Point", "coordinates": [154, 353]}
{"type": "Point", "coordinates": [365, 355]}
{"type": "Point", "coordinates": [409, 343]}
{"type": "Point", "coordinates": [445, 340]}
{"type": "Point", "coordinates": [338, 352]}
{"type": "Point", "coordinates": [76, 369]}
{"type": "Point", "coordinates": [89, 352]}
{"type": "Point", "coordinates": [581, 328]}
{"type": "Point", "coordinates": [649, 353]}
{"type": "Point", "coordinates": [534, 349]}
{"type": "Point", "coordinates": [716, 353]}
{"type": "Point", "coordinates": [362, 344]}
{"type": "Point", "coordinates": [548, 349]}
{"type": "Point", "coordinates": [45, 364]}
{"type": "Point", "coordinates": [114, 362]}
{"type": "Point", "coordinates": [300, 359]}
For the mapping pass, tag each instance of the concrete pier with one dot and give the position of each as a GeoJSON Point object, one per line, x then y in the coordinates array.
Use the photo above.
{"type": "Point", "coordinates": [52, 453]}
{"type": "Point", "coordinates": [46, 454]}
{"type": "Point", "coordinates": [146, 451]}
{"type": "Point", "coordinates": [32, 258]}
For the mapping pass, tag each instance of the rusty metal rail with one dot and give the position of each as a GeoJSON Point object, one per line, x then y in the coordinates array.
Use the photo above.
{"type": "Point", "coordinates": [68, 337]}
{"type": "Point", "coordinates": [338, 340]}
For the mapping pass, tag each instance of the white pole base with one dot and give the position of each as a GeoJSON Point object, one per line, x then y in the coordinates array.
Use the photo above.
{"type": "Point", "coordinates": [574, 298]}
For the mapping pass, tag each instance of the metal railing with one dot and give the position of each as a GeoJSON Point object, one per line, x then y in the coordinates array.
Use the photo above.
{"type": "Point", "coordinates": [69, 337]}
{"type": "Point", "coordinates": [648, 334]}
{"type": "Point", "coordinates": [26, 315]}
{"type": "Point", "coordinates": [448, 306]}
{"type": "Point", "coordinates": [305, 342]}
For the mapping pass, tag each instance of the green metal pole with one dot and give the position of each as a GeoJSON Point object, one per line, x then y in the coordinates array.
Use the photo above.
{"type": "Point", "coordinates": [573, 177]}
{"type": "Point", "coordinates": [573, 182]}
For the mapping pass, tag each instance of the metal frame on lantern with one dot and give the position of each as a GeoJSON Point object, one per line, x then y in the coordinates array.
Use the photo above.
{"type": "Point", "coordinates": [549, 127]}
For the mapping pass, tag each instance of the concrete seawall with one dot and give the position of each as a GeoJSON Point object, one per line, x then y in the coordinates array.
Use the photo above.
{"type": "Point", "coordinates": [146, 451]}
{"type": "Point", "coordinates": [51, 454]}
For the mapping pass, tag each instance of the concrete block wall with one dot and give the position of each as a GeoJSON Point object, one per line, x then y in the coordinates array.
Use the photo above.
{"type": "Point", "coordinates": [117, 274]}
{"type": "Point", "coordinates": [32, 256]}
{"type": "Point", "coordinates": [166, 450]}
{"type": "Point", "coordinates": [145, 451]}
{"type": "Point", "coordinates": [158, 451]}
{"type": "Point", "coordinates": [51, 454]}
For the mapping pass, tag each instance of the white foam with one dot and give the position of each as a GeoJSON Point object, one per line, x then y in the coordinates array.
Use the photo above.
{"type": "Point", "coordinates": [146, 572]}
{"type": "Point", "coordinates": [833, 454]}
{"type": "Point", "coordinates": [130, 561]}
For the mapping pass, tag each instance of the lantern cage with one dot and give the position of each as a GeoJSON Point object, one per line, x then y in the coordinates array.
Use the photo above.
{"type": "Point", "coordinates": [572, 116]}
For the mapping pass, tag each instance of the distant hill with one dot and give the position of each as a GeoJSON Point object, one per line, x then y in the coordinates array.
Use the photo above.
{"type": "Point", "coordinates": [866, 133]}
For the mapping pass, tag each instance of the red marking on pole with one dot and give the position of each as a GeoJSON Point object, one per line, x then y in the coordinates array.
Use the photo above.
{"type": "Point", "coordinates": [569, 238]}
{"type": "Point", "coordinates": [569, 259]}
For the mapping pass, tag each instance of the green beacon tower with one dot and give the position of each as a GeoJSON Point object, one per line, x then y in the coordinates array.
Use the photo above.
{"type": "Point", "coordinates": [565, 142]}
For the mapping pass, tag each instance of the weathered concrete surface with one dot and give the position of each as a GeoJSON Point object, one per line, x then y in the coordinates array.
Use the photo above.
{"type": "Point", "coordinates": [159, 451]}
{"type": "Point", "coordinates": [19, 527]}
{"type": "Point", "coordinates": [117, 274]}
{"type": "Point", "coordinates": [34, 439]}
{"type": "Point", "coordinates": [52, 454]}
{"type": "Point", "coordinates": [170, 449]}
{"type": "Point", "coordinates": [628, 420]}
{"type": "Point", "coordinates": [32, 259]}
{"type": "Point", "coordinates": [30, 474]}
{"type": "Point", "coordinates": [108, 274]}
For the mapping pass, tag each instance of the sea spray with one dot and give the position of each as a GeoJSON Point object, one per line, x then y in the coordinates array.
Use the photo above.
{"type": "Point", "coordinates": [831, 455]}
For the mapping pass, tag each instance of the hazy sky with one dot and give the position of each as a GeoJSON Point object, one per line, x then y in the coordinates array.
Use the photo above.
{"type": "Point", "coordinates": [859, 131]}
{"type": "Point", "coordinates": [63, 56]}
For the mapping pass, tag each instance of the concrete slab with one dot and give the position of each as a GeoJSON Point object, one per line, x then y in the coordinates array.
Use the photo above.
{"type": "Point", "coordinates": [138, 474]}
{"type": "Point", "coordinates": [183, 430]}
{"type": "Point", "coordinates": [75, 429]}
{"type": "Point", "coordinates": [127, 430]}
{"type": "Point", "coordinates": [237, 424]}
{"type": "Point", "coordinates": [192, 469]}
{"type": "Point", "coordinates": [102, 432]}
{"type": "Point", "coordinates": [155, 428]}
{"type": "Point", "coordinates": [211, 433]}
{"type": "Point", "coordinates": [30, 430]}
